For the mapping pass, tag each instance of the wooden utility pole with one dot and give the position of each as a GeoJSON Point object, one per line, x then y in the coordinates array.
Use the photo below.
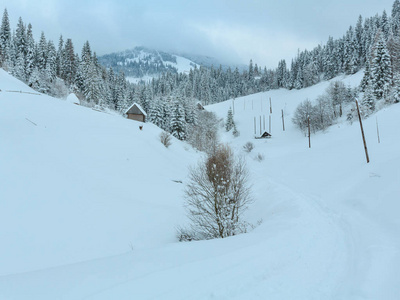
{"type": "Point", "coordinates": [309, 132]}
{"type": "Point", "coordinates": [269, 124]}
{"type": "Point", "coordinates": [283, 121]}
{"type": "Point", "coordinates": [264, 122]}
{"type": "Point", "coordinates": [377, 130]}
{"type": "Point", "coordinates": [270, 105]}
{"type": "Point", "coordinates": [362, 132]}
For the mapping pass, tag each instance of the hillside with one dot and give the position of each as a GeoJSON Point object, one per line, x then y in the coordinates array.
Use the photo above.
{"type": "Point", "coordinates": [141, 63]}
{"type": "Point", "coordinates": [89, 206]}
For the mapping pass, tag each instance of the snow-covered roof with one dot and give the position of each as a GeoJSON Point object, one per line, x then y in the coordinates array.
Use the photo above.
{"type": "Point", "coordinates": [136, 109]}
{"type": "Point", "coordinates": [72, 98]}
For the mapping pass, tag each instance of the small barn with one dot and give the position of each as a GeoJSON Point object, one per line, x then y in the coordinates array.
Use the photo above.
{"type": "Point", "coordinates": [199, 106]}
{"type": "Point", "coordinates": [135, 112]}
{"type": "Point", "coordinates": [265, 135]}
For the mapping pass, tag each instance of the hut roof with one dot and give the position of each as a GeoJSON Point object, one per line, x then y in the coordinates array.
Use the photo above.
{"type": "Point", "coordinates": [136, 109]}
{"type": "Point", "coordinates": [266, 134]}
{"type": "Point", "coordinates": [72, 98]}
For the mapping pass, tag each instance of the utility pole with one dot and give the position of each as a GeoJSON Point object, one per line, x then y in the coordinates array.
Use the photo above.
{"type": "Point", "coordinates": [377, 130]}
{"type": "Point", "coordinates": [362, 132]}
{"type": "Point", "coordinates": [309, 132]}
{"type": "Point", "coordinates": [270, 105]}
{"type": "Point", "coordinates": [264, 122]}
{"type": "Point", "coordinates": [283, 121]}
{"type": "Point", "coordinates": [269, 124]}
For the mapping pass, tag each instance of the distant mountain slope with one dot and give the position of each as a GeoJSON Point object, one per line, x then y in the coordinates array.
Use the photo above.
{"type": "Point", "coordinates": [140, 62]}
{"type": "Point", "coordinates": [143, 63]}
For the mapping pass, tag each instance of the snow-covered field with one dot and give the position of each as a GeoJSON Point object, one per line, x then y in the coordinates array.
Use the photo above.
{"type": "Point", "coordinates": [183, 65]}
{"type": "Point", "coordinates": [89, 206]}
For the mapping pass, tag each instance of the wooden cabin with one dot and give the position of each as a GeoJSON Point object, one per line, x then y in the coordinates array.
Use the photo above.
{"type": "Point", "coordinates": [199, 106]}
{"type": "Point", "coordinates": [265, 135]}
{"type": "Point", "coordinates": [135, 112]}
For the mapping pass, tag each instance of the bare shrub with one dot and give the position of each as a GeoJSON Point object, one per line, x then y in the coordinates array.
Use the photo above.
{"type": "Point", "coordinates": [259, 157]}
{"type": "Point", "coordinates": [165, 139]}
{"type": "Point", "coordinates": [248, 147]}
{"type": "Point", "coordinates": [216, 197]}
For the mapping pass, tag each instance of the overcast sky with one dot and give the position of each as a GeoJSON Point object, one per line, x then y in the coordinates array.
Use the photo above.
{"type": "Point", "coordinates": [232, 31]}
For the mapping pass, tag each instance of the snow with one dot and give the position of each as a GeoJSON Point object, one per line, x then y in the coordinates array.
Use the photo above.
{"type": "Point", "coordinates": [183, 65]}
{"type": "Point", "coordinates": [88, 206]}
{"type": "Point", "coordinates": [72, 98]}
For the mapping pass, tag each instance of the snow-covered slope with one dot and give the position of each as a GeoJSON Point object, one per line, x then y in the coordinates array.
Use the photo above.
{"type": "Point", "coordinates": [79, 184]}
{"type": "Point", "coordinates": [144, 64]}
{"type": "Point", "coordinates": [91, 196]}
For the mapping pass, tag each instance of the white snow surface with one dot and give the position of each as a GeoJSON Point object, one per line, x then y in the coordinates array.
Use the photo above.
{"type": "Point", "coordinates": [72, 98]}
{"type": "Point", "coordinates": [89, 206]}
{"type": "Point", "coordinates": [182, 64]}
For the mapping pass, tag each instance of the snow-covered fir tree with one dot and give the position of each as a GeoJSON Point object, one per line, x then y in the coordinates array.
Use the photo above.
{"type": "Point", "coordinates": [381, 69]}
{"type": "Point", "coordinates": [229, 124]}
{"type": "Point", "coordinates": [177, 123]}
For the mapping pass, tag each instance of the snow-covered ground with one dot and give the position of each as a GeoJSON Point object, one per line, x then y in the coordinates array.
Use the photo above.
{"type": "Point", "coordinates": [183, 65]}
{"type": "Point", "coordinates": [89, 206]}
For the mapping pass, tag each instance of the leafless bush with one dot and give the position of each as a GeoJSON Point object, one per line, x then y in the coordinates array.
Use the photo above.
{"type": "Point", "coordinates": [248, 147]}
{"type": "Point", "coordinates": [216, 197]}
{"type": "Point", "coordinates": [259, 157]}
{"type": "Point", "coordinates": [165, 139]}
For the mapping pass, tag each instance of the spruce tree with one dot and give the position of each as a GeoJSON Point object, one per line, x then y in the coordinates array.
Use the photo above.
{"type": "Point", "coordinates": [396, 17]}
{"type": "Point", "coordinates": [177, 128]}
{"type": "Point", "coordinates": [5, 38]}
{"type": "Point", "coordinates": [30, 53]}
{"type": "Point", "coordinates": [229, 124]}
{"type": "Point", "coordinates": [381, 69]}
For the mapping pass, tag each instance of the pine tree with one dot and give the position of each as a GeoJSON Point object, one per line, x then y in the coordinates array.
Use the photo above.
{"type": "Point", "coordinates": [381, 69]}
{"type": "Point", "coordinates": [68, 61]}
{"type": "Point", "coordinates": [395, 97]}
{"type": "Point", "coordinates": [60, 57]}
{"type": "Point", "coordinates": [369, 99]}
{"type": "Point", "coordinates": [177, 128]}
{"type": "Point", "coordinates": [30, 53]}
{"type": "Point", "coordinates": [359, 33]}
{"type": "Point", "coordinates": [51, 64]}
{"type": "Point", "coordinates": [229, 124]}
{"type": "Point", "coordinates": [396, 17]}
{"type": "Point", "coordinates": [385, 26]}
{"type": "Point", "coordinates": [5, 39]}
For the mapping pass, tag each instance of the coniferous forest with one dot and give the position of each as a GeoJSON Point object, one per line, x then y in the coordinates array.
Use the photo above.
{"type": "Point", "coordinates": [372, 44]}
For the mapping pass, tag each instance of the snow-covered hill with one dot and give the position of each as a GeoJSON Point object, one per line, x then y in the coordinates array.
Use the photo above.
{"type": "Point", "coordinates": [89, 206]}
{"type": "Point", "coordinates": [142, 63]}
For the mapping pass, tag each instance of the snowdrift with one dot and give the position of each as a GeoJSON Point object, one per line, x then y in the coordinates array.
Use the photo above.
{"type": "Point", "coordinates": [89, 205]}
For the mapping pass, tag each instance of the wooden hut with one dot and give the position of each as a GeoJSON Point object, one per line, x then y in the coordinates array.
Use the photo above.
{"type": "Point", "coordinates": [199, 106]}
{"type": "Point", "coordinates": [265, 135]}
{"type": "Point", "coordinates": [135, 112]}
